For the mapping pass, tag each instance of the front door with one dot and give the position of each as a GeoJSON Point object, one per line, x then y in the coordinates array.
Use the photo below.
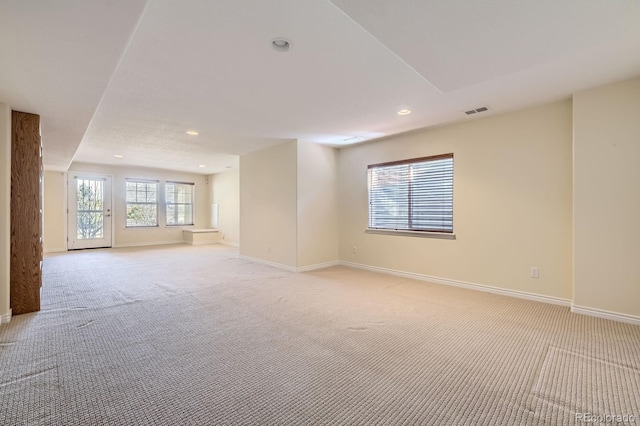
{"type": "Point", "coordinates": [89, 211]}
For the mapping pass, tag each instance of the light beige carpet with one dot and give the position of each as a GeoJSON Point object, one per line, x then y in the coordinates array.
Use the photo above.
{"type": "Point", "coordinates": [195, 335]}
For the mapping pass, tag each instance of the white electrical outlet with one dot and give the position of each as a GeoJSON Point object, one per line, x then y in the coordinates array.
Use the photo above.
{"type": "Point", "coordinates": [535, 272]}
{"type": "Point", "coordinates": [355, 250]}
{"type": "Point", "coordinates": [268, 249]}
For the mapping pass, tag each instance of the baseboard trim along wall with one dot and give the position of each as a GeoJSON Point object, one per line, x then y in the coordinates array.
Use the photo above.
{"type": "Point", "coordinates": [55, 250]}
{"type": "Point", "coordinates": [6, 318]}
{"type": "Point", "coordinates": [202, 243]}
{"type": "Point", "coordinates": [464, 284]}
{"type": "Point", "coordinates": [318, 266]}
{"type": "Point", "coordinates": [601, 313]}
{"type": "Point", "coordinates": [266, 262]}
{"type": "Point", "coordinates": [154, 243]}
{"type": "Point", "coordinates": [292, 268]}
{"type": "Point", "coordinates": [229, 243]}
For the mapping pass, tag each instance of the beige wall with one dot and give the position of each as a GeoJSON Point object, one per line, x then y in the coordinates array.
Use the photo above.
{"type": "Point", "coordinates": [521, 200]}
{"type": "Point", "coordinates": [5, 209]}
{"type": "Point", "coordinates": [123, 236]}
{"type": "Point", "coordinates": [55, 208]}
{"type": "Point", "coordinates": [607, 198]}
{"type": "Point", "coordinates": [317, 204]}
{"type": "Point", "coordinates": [512, 202]}
{"type": "Point", "coordinates": [225, 188]}
{"type": "Point", "coordinates": [268, 194]}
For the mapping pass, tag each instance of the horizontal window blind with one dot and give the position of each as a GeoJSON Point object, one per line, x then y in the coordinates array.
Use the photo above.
{"type": "Point", "coordinates": [413, 195]}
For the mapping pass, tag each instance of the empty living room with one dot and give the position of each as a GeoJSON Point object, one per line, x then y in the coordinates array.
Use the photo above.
{"type": "Point", "coordinates": [331, 212]}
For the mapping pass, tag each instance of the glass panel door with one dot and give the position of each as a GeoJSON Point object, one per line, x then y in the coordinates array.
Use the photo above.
{"type": "Point", "coordinates": [89, 212]}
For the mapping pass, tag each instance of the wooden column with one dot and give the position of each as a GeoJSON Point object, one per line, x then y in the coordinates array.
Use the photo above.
{"type": "Point", "coordinates": [26, 214]}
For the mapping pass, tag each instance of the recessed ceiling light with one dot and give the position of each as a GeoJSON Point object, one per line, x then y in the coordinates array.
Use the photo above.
{"type": "Point", "coordinates": [227, 167]}
{"type": "Point", "coordinates": [404, 111]}
{"type": "Point", "coordinates": [118, 156]}
{"type": "Point", "coordinates": [281, 44]}
{"type": "Point", "coordinates": [192, 132]}
{"type": "Point", "coordinates": [202, 165]}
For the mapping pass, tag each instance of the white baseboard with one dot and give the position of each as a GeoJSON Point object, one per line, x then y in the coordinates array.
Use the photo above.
{"type": "Point", "coordinates": [55, 250]}
{"type": "Point", "coordinates": [266, 262]}
{"type": "Point", "coordinates": [464, 284]}
{"type": "Point", "coordinates": [5, 318]}
{"type": "Point", "coordinates": [318, 266]}
{"type": "Point", "coordinates": [155, 243]}
{"type": "Point", "coordinates": [202, 243]}
{"type": "Point", "coordinates": [292, 268]}
{"type": "Point", "coordinates": [229, 243]}
{"type": "Point", "coordinates": [601, 313]}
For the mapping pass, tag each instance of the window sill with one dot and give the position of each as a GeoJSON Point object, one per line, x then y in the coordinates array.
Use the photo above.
{"type": "Point", "coordinates": [419, 234]}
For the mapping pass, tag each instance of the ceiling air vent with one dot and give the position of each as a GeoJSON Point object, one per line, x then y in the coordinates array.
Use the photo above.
{"type": "Point", "coordinates": [473, 111]}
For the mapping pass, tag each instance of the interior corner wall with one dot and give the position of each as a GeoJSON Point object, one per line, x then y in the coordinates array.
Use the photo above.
{"type": "Point", "coordinates": [54, 213]}
{"type": "Point", "coordinates": [606, 198]}
{"type": "Point", "coordinates": [5, 211]}
{"type": "Point", "coordinates": [225, 189]}
{"type": "Point", "coordinates": [317, 205]}
{"type": "Point", "coordinates": [512, 203]}
{"type": "Point", "coordinates": [268, 192]}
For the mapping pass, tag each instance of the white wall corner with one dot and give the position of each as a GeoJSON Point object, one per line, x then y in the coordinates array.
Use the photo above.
{"type": "Point", "coordinates": [5, 210]}
{"type": "Point", "coordinates": [601, 313]}
{"type": "Point", "coordinates": [464, 284]}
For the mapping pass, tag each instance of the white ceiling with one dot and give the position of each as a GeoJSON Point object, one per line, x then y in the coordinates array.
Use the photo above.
{"type": "Point", "coordinates": [130, 77]}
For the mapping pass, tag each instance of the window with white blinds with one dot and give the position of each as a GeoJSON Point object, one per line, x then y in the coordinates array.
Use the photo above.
{"type": "Point", "coordinates": [412, 195]}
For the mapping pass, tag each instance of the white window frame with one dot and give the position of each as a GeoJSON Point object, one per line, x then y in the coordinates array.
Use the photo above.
{"type": "Point", "coordinates": [424, 207]}
{"type": "Point", "coordinates": [144, 203]}
{"type": "Point", "coordinates": [176, 204]}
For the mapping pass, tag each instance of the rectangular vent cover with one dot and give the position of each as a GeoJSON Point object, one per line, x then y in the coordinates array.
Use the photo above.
{"type": "Point", "coordinates": [474, 111]}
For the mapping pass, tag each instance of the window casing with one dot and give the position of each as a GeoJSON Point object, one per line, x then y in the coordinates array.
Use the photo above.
{"type": "Point", "coordinates": [412, 195]}
{"type": "Point", "coordinates": [142, 203]}
{"type": "Point", "coordinates": [179, 203]}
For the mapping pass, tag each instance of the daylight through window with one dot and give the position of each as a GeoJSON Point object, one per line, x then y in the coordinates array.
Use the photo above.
{"type": "Point", "coordinates": [412, 195]}
{"type": "Point", "coordinates": [179, 203]}
{"type": "Point", "coordinates": [142, 203]}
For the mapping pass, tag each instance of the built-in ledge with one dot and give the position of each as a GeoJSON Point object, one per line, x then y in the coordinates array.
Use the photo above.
{"type": "Point", "coordinates": [419, 234]}
{"type": "Point", "coordinates": [200, 236]}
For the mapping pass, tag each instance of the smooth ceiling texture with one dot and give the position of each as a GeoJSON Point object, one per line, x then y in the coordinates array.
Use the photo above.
{"type": "Point", "coordinates": [56, 60]}
{"type": "Point", "coordinates": [459, 43]}
{"type": "Point", "coordinates": [131, 77]}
